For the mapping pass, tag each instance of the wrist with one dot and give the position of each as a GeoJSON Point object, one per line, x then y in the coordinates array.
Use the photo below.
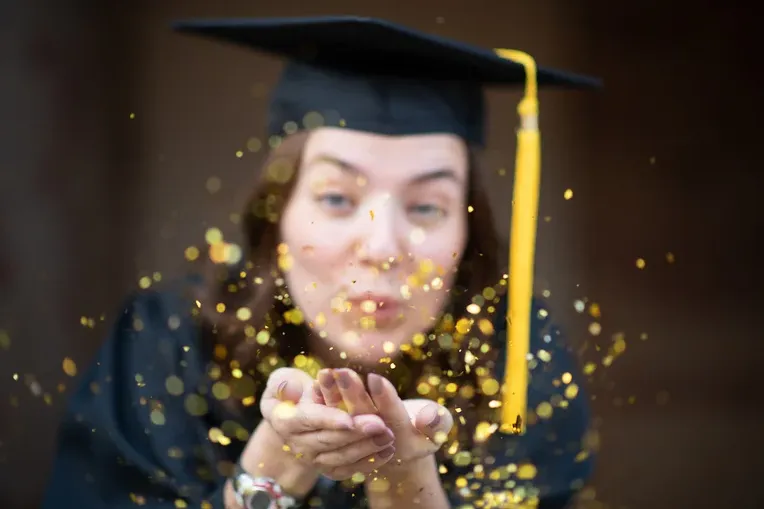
{"type": "Point", "coordinates": [265, 456]}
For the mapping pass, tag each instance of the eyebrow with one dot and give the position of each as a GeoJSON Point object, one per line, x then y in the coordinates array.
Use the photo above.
{"type": "Point", "coordinates": [439, 174]}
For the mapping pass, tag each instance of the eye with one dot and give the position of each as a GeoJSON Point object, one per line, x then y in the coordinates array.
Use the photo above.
{"type": "Point", "coordinates": [335, 202]}
{"type": "Point", "coordinates": [426, 210]}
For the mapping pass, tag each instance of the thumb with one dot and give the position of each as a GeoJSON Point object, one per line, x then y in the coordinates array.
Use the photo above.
{"type": "Point", "coordinates": [434, 421]}
{"type": "Point", "coordinates": [285, 385]}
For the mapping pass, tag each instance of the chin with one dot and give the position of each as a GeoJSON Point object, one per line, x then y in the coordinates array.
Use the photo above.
{"type": "Point", "coordinates": [372, 346]}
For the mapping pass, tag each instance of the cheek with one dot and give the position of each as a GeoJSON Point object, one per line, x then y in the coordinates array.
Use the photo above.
{"type": "Point", "coordinates": [442, 251]}
{"type": "Point", "coordinates": [319, 251]}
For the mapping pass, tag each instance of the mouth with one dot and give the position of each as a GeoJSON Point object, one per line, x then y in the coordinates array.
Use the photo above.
{"type": "Point", "coordinates": [384, 309]}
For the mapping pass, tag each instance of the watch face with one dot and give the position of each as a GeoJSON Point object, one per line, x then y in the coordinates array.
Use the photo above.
{"type": "Point", "coordinates": [259, 500]}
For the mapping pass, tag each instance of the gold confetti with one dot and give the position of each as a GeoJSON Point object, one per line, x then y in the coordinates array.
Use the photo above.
{"type": "Point", "coordinates": [571, 391]}
{"type": "Point", "coordinates": [137, 499]}
{"type": "Point", "coordinates": [239, 154]}
{"type": "Point", "coordinates": [470, 209]}
{"type": "Point", "coordinates": [69, 367]}
{"type": "Point", "coordinates": [371, 215]}
{"type": "Point", "coordinates": [568, 194]}
{"type": "Point", "coordinates": [473, 309]}
{"type": "Point", "coordinates": [490, 387]}
{"type": "Point", "coordinates": [641, 263]}
{"type": "Point", "coordinates": [213, 185]}
{"type": "Point", "coordinates": [595, 328]}
{"type": "Point", "coordinates": [174, 385]}
{"type": "Point", "coordinates": [221, 391]}
{"type": "Point", "coordinates": [144, 282]}
{"type": "Point", "coordinates": [132, 116]}
{"type": "Point", "coordinates": [670, 257]}
{"type": "Point", "coordinates": [594, 310]}
{"type": "Point", "coordinates": [243, 314]}
{"type": "Point", "coordinates": [294, 316]}
{"type": "Point", "coordinates": [5, 340]}
{"type": "Point", "coordinates": [213, 236]}
{"type": "Point", "coordinates": [196, 405]}
{"type": "Point", "coordinates": [417, 236]}
{"type": "Point", "coordinates": [526, 471]}
{"type": "Point", "coordinates": [368, 306]}
{"type": "Point", "coordinates": [263, 337]}
{"type": "Point", "coordinates": [254, 145]}
{"type": "Point", "coordinates": [157, 417]}
{"type": "Point", "coordinates": [544, 410]}
{"type": "Point", "coordinates": [462, 458]}
{"type": "Point", "coordinates": [181, 504]}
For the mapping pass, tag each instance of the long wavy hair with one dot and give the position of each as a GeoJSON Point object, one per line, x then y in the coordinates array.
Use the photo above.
{"type": "Point", "coordinates": [452, 363]}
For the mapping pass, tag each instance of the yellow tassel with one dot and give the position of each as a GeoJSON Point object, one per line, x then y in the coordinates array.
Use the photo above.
{"type": "Point", "coordinates": [522, 250]}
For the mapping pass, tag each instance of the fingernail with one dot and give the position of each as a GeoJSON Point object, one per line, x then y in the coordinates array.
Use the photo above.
{"type": "Point", "coordinates": [386, 453]}
{"type": "Point", "coordinates": [343, 379]}
{"type": "Point", "coordinates": [326, 379]}
{"type": "Point", "coordinates": [280, 389]}
{"type": "Point", "coordinates": [434, 421]}
{"type": "Point", "coordinates": [382, 439]}
{"type": "Point", "coordinates": [373, 429]}
{"type": "Point", "coordinates": [317, 391]}
{"type": "Point", "coordinates": [375, 384]}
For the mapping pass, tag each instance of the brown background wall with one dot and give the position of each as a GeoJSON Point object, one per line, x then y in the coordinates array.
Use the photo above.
{"type": "Point", "coordinates": [662, 161]}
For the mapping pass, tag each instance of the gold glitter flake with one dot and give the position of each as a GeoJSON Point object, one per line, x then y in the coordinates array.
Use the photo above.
{"type": "Point", "coordinates": [196, 405]}
{"type": "Point", "coordinates": [568, 194]}
{"type": "Point", "coordinates": [5, 340]}
{"type": "Point", "coordinates": [641, 263]}
{"type": "Point", "coordinates": [526, 471]}
{"type": "Point", "coordinates": [243, 314]}
{"type": "Point", "coordinates": [69, 367]}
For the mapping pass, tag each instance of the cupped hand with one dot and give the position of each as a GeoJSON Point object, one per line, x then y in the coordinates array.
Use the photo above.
{"type": "Point", "coordinates": [328, 438]}
{"type": "Point", "coordinates": [420, 426]}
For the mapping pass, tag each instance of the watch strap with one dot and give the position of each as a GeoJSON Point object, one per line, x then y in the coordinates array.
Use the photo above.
{"type": "Point", "coordinates": [245, 485]}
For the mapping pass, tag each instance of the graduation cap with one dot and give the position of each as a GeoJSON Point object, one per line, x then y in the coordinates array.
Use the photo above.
{"type": "Point", "coordinates": [376, 76]}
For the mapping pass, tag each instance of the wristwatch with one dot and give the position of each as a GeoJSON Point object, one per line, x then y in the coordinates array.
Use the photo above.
{"type": "Point", "coordinates": [259, 492]}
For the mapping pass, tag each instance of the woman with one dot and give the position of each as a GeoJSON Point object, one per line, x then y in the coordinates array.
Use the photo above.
{"type": "Point", "coordinates": [350, 358]}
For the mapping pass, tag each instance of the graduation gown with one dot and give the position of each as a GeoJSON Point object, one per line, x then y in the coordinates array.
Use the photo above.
{"type": "Point", "coordinates": [136, 432]}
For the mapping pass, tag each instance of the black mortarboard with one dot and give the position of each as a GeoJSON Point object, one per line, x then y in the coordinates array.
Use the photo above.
{"type": "Point", "coordinates": [376, 76]}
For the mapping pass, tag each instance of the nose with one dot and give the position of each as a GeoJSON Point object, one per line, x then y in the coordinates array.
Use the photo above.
{"type": "Point", "coordinates": [381, 242]}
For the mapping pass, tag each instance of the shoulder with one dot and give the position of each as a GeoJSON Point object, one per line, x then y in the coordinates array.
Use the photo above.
{"type": "Point", "coordinates": [153, 333]}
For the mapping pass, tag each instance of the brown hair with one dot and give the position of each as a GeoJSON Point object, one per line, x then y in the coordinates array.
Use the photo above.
{"type": "Point", "coordinates": [452, 363]}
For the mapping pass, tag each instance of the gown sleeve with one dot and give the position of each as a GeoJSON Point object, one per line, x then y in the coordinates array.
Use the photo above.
{"type": "Point", "coordinates": [555, 445]}
{"type": "Point", "coordinates": [133, 434]}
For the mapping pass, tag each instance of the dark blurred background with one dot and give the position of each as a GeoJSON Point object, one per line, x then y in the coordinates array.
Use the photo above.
{"type": "Point", "coordinates": [111, 127]}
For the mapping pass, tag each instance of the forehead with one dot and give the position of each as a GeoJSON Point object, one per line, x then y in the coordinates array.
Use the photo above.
{"type": "Point", "coordinates": [375, 152]}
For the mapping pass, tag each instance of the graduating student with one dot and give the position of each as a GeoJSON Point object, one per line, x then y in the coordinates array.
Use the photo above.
{"type": "Point", "coordinates": [352, 352]}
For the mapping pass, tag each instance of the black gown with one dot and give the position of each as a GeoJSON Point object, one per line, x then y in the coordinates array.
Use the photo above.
{"type": "Point", "coordinates": [132, 438]}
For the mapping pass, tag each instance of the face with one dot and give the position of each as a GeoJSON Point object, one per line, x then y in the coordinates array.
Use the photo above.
{"type": "Point", "coordinates": [375, 229]}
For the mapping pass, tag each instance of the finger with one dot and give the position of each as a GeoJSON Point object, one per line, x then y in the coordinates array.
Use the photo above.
{"type": "Point", "coordinates": [434, 421]}
{"type": "Point", "coordinates": [370, 424]}
{"type": "Point", "coordinates": [280, 394]}
{"type": "Point", "coordinates": [296, 381]}
{"type": "Point", "coordinates": [355, 452]}
{"type": "Point", "coordinates": [353, 392]}
{"type": "Point", "coordinates": [329, 389]}
{"type": "Point", "coordinates": [318, 396]}
{"type": "Point", "coordinates": [325, 440]}
{"type": "Point", "coordinates": [288, 418]}
{"type": "Point", "coordinates": [364, 466]}
{"type": "Point", "coordinates": [389, 404]}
